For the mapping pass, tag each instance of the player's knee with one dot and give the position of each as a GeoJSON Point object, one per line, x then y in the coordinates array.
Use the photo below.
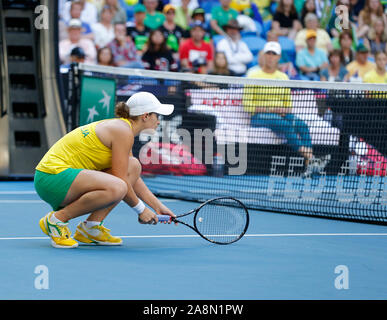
{"type": "Point", "coordinates": [118, 190]}
{"type": "Point", "coordinates": [134, 168]}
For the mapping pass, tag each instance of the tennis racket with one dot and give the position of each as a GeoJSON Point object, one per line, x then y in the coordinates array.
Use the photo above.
{"type": "Point", "coordinates": [221, 220]}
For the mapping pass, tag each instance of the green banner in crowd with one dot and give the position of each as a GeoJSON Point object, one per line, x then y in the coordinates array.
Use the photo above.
{"type": "Point", "coordinates": [97, 99]}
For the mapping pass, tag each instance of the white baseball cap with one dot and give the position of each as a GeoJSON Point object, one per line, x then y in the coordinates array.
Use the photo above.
{"type": "Point", "coordinates": [75, 23]}
{"type": "Point", "coordinates": [272, 46]}
{"type": "Point", "coordinates": [145, 102]}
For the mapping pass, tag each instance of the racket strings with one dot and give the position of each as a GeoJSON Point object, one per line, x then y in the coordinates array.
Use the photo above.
{"type": "Point", "coordinates": [222, 221]}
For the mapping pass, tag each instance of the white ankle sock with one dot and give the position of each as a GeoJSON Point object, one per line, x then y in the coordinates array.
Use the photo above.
{"type": "Point", "coordinates": [54, 219]}
{"type": "Point", "coordinates": [90, 224]}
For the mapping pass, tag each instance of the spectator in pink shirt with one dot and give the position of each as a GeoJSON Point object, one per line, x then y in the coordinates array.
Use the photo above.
{"type": "Point", "coordinates": [123, 49]}
{"type": "Point", "coordinates": [75, 40]}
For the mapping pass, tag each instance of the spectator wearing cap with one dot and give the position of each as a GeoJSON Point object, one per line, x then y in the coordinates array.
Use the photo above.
{"type": "Point", "coordinates": [323, 41]}
{"type": "Point", "coordinates": [153, 19]}
{"type": "Point", "coordinates": [276, 113]}
{"type": "Point", "coordinates": [89, 12]}
{"type": "Point", "coordinates": [183, 14]}
{"type": "Point", "coordinates": [360, 66]}
{"type": "Point", "coordinates": [285, 64]}
{"type": "Point", "coordinates": [220, 15]}
{"type": "Point", "coordinates": [123, 49]}
{"type": "Point", "coordinates": [119, 14]}
{"type": "Point", "coordinates": [237, 52]}
{"type": "Point", "coordinates": [77, 55]}
{"type": "Point", "coordinates": [75, 13]}
{"type": "Point", "coordinates": [195, 54]}
{"type": "Point", "coordinates": [139, 32]}
{"type": "Point", "coordinates": [104, 29]}
{"type": "Point", "coordinates": [172, 32]}
{"type": "Point", "coordinates": [199, 14]}
{"type": "Point", "coordinates": [311, 60]}
{"type": "Point", "coordinates": [75, 39]}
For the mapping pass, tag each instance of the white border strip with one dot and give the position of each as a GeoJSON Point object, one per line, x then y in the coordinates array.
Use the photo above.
{"type": "Point", "coordinates": [262, 235]}
{"type": "Point", "coordinates": [232, 80]}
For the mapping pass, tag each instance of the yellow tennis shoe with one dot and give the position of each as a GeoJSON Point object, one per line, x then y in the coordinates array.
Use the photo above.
{"type": "Point", "coordinates": [96, 235]}
{"type": "Point", "coordinates": [59, 233]}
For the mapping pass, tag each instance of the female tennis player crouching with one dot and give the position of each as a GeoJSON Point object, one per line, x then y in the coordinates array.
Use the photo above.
{"type": "Point", "coordinates": [92, 168]}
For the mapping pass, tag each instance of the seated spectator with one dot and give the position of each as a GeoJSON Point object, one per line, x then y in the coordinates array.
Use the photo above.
{"type": "Point", "coordinates": [200, 15]}
{"type": "Point", "coordinates": [308, 7]}
{"type": "Point", "coordinates": [105, 57]}
{"type": "Point", "coordinates": [346, 45]}
{"type": "Point", "coordinates": [335, 71]}
{"type": "Point", "coordinates": [378, 74]}
{"type": "Point", "coordinates": [139, 32]}
{"type": "Point", "coordinates": [360, 66]}
{"type": "Point", "coordinates": [89, 12]}
{"type": "Point", "coordinates": [221, 65]}
{"type": "Point", "coordinates": [172, 32]}
{"type": "Point", "coordinates": [220, 15]}
{"type": "Point", "coordinates": [123, 49]}
{"type": "Point", "coordinates": [323, 39]}
{"type": "Point", "coordinates": [77, 55]}
{"type": "Point", "coordinates": [104, 29]}
{"type": "Point", "coordinates": [195, 54]}
{"type": "Point", "coordinates": [183, 14]}
{"type": "Point", "coordinates": [377, 36]}
{"type": "Point", "coordinates": [153, 19]}
{"type": "Point", "coordinates": [237, 52]}
{"type": "Point", "coordinates": [285, 19]}
{"type": "Point", "coordinates": [285, 64]}
{"type": "Point", "coordinates": [311, 60]}
{"type": "Point", "coordinates": [75, 39]}
{"type": "Point", "coordinates": [276, 113]}
{"type": "Point", "coordinates": [372, 10]}
{"type": "Point", "coordinates": [158, 56]}
{"type": "Point", "coordinates": [119, 14]}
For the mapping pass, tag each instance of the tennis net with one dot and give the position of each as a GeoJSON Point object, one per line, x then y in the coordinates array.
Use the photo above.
{"type": "Point", "coordinates": [309, 148]}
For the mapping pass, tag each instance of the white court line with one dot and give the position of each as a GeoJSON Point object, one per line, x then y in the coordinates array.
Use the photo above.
{"type": "Point", "coordinates": [21, 201]}
{"type": "Point", "coordinates": [246, 235]}
{"type": "Point", "coordinates": [41, 201]}
{"type": "Point", "coordinates": [18, 192]}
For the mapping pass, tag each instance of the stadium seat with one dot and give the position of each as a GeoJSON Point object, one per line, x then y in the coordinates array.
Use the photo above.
{"type": "Point", "coordinates": [216, 38]}
{"type": "Point", "coordinates": [250, 33]}
{"type": "Point", "coordinates": [129, 9]}
{"type": "Point", "coordinates": [259, 28]}
{"type": "Point", "coordinates": [208, 5]}
{"type": "Point", "coordinates": [254, 43]}
{"type": "Point", "coordinates": [253, 63]}
{"type": "Point", "coordinates": [266, 27]}
{"type": "Point", "coordinates": [288, 46]}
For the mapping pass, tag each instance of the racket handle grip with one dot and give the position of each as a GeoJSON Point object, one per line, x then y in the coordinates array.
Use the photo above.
{"type": "Point", "coordinates": [164, 217]}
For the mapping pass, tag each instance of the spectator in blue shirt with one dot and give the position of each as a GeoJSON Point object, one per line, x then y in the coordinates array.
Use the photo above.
{"type": "Point", "coordinates": [311, 60]}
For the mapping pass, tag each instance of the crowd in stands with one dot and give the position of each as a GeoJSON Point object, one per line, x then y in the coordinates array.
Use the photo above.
{"type": "Point", "coordinates": [333, 40]}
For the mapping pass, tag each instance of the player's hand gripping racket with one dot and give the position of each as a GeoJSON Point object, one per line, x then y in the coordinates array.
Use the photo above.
{"type": "Point", "coordinates": [221, 220]}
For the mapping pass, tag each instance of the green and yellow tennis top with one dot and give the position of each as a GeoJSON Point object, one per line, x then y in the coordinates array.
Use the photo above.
{"type": "Point", "coordinates": [78, 149]}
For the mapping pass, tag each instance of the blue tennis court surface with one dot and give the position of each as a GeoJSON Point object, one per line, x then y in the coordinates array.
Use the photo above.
{"type": "Point", "coordinates": [281, 257]}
